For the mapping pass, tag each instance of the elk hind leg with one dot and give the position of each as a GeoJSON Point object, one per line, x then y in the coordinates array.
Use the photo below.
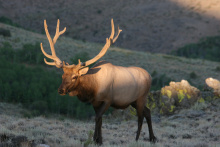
{"type": "Point", "coordinates": [147, 115]}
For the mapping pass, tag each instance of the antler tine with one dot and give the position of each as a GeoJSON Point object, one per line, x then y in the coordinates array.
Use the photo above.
{"type": "Point", "coordinates": [109, 41]}
{"type": "Point", "coordinates": [119, 31]}
{"type": "Point", "coordinates": [42, 49]}
{"type": "Point", "coordinates": [57, 62]}
{"type": "Point", "coordinates": [79, 65]}
{"type": "Point", "coordinates": [49, 63]}
{"type": "Point", "coordinates": [58, 33]}
{"type": "Point", "coordinates": [49, 56]}
{"type": "Point", "coordinates": [49, 38]}
{"type": "Point", "coordinates": [113, 29]}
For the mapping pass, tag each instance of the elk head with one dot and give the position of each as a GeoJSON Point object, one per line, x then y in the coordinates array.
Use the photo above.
{"type": "Point", "coordinates": [73, 72]}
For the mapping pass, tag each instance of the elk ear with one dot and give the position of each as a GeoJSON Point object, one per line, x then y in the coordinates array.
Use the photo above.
{"type": "Point", "coordinates": [83, 71]}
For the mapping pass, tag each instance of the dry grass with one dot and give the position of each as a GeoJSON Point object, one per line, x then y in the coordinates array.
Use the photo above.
{"type": "Point", "coordinates": [175, 67]}
{"type": "Point", "coordinates": [187, 128]}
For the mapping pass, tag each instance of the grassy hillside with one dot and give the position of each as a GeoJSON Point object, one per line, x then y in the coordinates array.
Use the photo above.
{"type": "Point", "coordinates": [156, 26]}
{"type": "Point", "coordinates": [159, 65]}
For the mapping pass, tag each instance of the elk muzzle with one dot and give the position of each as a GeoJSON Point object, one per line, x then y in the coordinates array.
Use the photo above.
{"type": "Point", "coordinates": [62, 91]}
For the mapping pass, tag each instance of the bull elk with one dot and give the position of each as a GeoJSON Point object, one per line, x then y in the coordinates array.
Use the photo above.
{"type": "Point", "coordinates": [104, 84]}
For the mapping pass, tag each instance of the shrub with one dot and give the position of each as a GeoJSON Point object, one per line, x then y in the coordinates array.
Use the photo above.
{"type": "Point", "coordinates": [8, 21]}
{"type": "Point", "coordinates": [99, 11]}
{"type": "Point", "coordinates": [217, 68]}
{"type": "Point", "coordinates": [6, 51]}
{"type": "Point", "coordinates": [5, 33]}
{"type": "Point", "coordinates": [193, 75]}
{"type": "Point", "coordinates": [158, 81]}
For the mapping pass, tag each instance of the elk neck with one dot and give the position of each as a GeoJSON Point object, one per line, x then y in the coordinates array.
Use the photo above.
{"type": "Point", "coordinates": [86, 88]}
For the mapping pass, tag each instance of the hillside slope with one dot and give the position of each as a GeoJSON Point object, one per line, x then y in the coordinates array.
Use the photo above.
{"type": "Point", "coordinates": [176, 68]}
{"type": "Point", "coordinates": [156, 26]}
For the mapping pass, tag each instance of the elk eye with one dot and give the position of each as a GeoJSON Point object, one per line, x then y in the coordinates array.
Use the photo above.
{"type": "Point", "coordinates": [74, 77]}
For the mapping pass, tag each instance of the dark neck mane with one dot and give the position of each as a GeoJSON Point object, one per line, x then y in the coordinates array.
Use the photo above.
{"type": "Point", "coordinates": [86, 89]}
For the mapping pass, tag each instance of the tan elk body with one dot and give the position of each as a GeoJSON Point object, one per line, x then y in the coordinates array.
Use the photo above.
{"type": "Point", "coordinates": [104, 84]}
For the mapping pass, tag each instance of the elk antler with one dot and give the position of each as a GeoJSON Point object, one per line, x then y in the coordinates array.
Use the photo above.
{"type": "Point", "coordinates": [109, 41]}
{"type": "Point", "coordinates": [57, 62]}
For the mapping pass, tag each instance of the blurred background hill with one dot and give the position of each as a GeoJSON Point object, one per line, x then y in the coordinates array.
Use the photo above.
{"type": "Point", "coordinates": [159, 26]}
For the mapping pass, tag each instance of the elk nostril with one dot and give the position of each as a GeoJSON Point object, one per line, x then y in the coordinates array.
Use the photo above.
{"type": "Point", "coordinates": [60, 91]}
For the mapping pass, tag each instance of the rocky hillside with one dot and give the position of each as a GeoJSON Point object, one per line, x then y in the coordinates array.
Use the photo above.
{"type": "Point", "coordinates": [156, 26]}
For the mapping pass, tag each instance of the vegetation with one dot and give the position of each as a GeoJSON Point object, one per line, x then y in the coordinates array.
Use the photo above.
{"type": "Point", "coordinates": [193, 75]}
{"type": "Point", "coordinates": [8, 21]}
{"type": "Point", "coordinates": [208, 49]}
{"type": "Point", "coordinates": [5, 32]}
{"type": "Point", "coordinates": [217, 68]}
{"type": "Point", "coordinates": [159, 81]}
{"type": "Point", "coordinates": [33, 86]}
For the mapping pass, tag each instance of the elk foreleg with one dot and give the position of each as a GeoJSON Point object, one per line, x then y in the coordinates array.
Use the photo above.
{"type": "Point", "coordinates": [100, 110]}
{"type": "Point", "coordinates": [147, 115]}
{"type": "Point", "coordinates": [139, 109]}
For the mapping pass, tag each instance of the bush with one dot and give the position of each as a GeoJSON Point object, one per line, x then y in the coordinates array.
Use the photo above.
{"type": "Point", "coordinates": [5, 33]}
{"type": "Point", "coordinates": [8, 21]}
{"type": "Point", "coordinates": [6, 51]}
{"type": "Point", "coordinates": [217, 68]}
{"type": "Point", "coordinates": [158, 81]}
{"type": "Point", "coordinates": [193, 75]}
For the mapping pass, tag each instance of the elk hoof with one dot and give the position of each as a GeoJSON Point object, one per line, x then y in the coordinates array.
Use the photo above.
{"type": "Point", "coordinates": [98, 141]}
{"type": "Point", "coordinates": [153, 139]}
